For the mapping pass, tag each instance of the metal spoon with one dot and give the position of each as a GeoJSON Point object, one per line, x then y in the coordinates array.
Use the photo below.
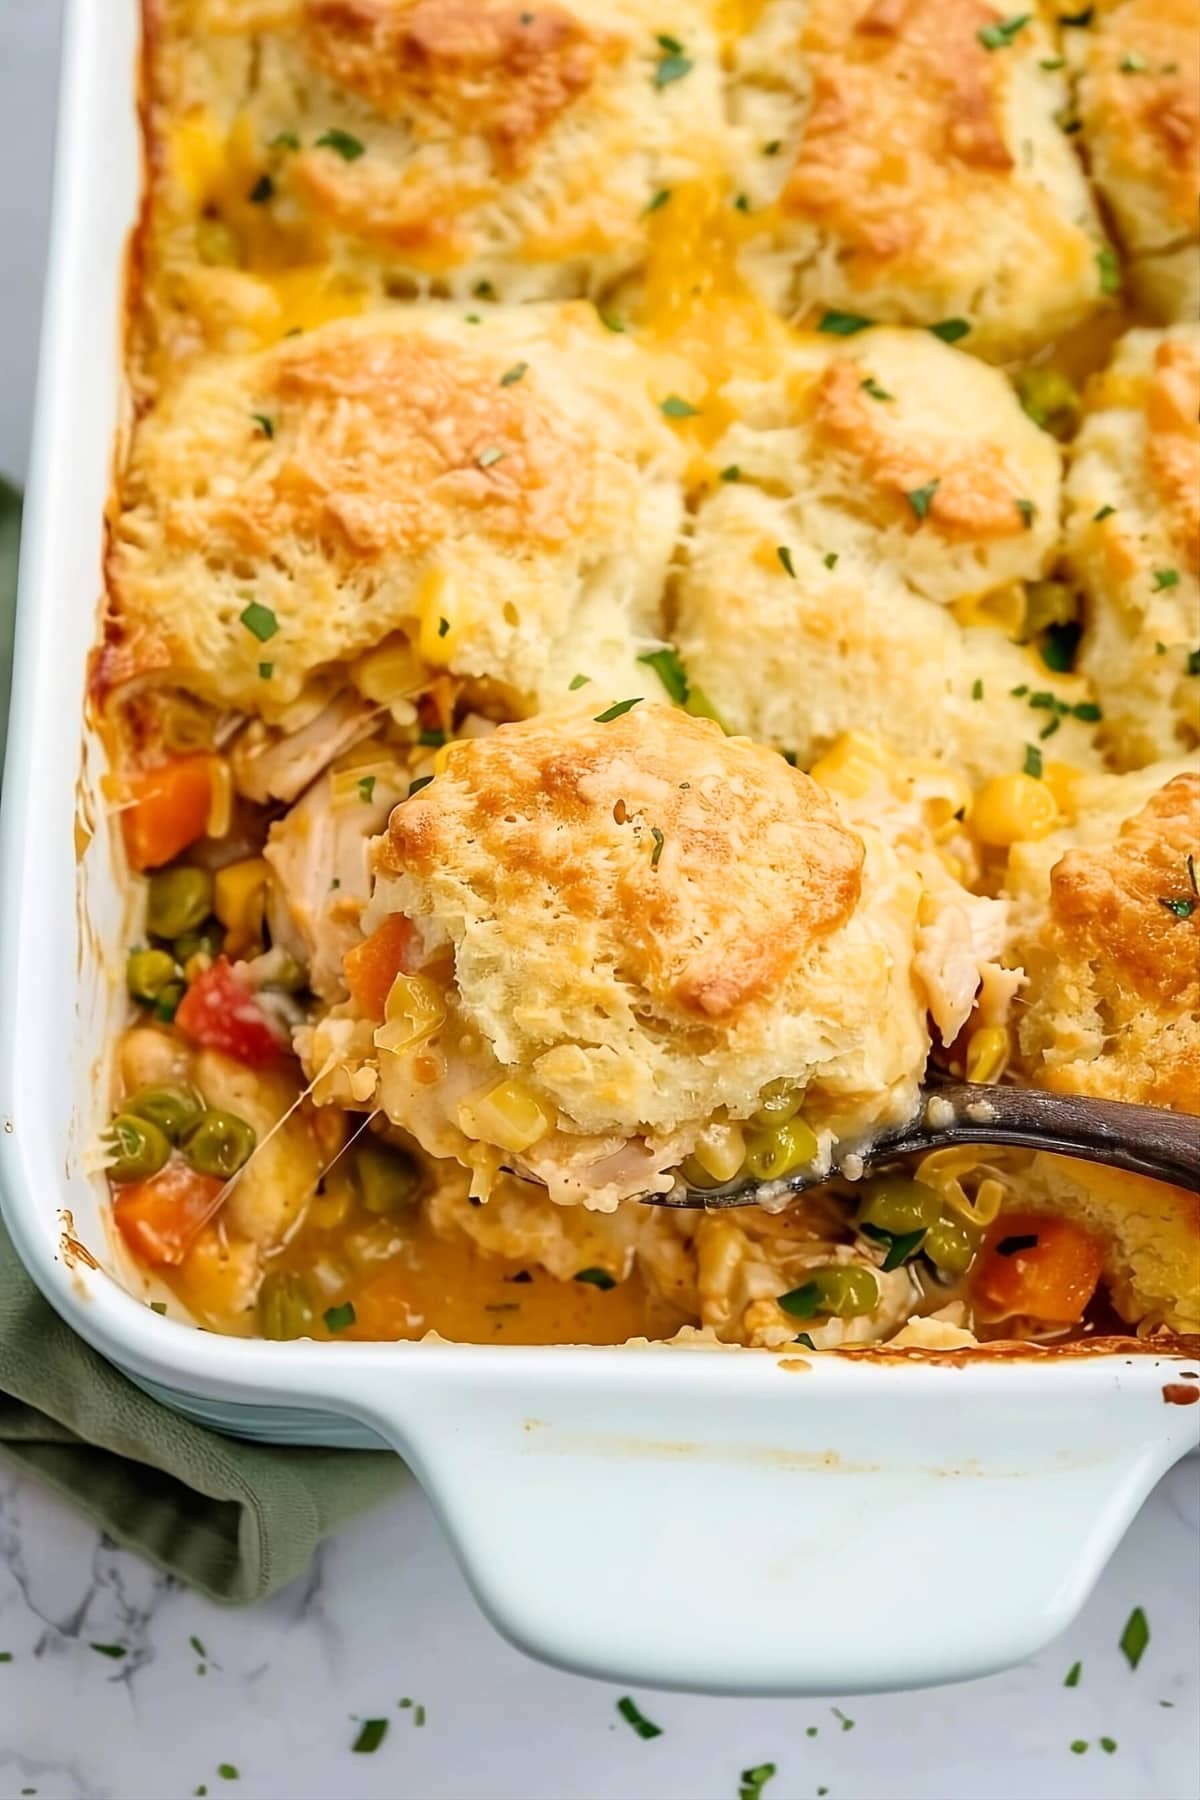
{"type": "Point", "coordinates": [1145, 1140]}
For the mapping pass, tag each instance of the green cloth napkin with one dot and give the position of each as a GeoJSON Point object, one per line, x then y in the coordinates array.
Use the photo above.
{"type": "Point", "coordinates": [234, 1520]}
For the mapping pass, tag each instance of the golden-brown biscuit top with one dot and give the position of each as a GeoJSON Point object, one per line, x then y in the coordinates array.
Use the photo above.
{"type": "Point", "coordinates": [709, 863]}
{"type": "Point", "coordinates": [1172, 407]}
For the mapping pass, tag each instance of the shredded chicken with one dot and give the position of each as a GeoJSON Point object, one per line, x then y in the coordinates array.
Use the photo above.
{"type": "Point", "coordinates": [270, 766]}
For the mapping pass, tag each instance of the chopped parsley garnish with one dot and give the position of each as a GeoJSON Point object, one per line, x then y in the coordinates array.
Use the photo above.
{"type": "Point", "coordinates": [371, 1734]}
{"type": "Point", "coordinates": [443, 627]}
{"type": "Point", "coordinates": [348, 147]}
{"type": "Point", "coordinates": [265, 424]}
{"type": "Point", "coordinates": [670, 44]}
{"type": "Point", "coordinates": [632, 1715]}
{"type": "Point", "coordinates": [801, 1302]}
{"type": "Point", "coordinates": [843, 324]}
{"type": "Point", "coordinates": [611, 322]}
{"type": "Point", "coordinates": [6, 1656]}
{"type": "Point", "coordinates": [950, 330]}
{"type": "Point", "coordinates": [366, 789]}
{"type": "Point", "coordinates": [1080, 18]}
{"type": "Point", "coordinates": [1109, 271]}
{"type": "Point", "coordinates": [773, 148]}
{"type": "Point", "coordinates": [1028, 512]}
{"type": "Point", "coordinates": [802, 1337]}
{"type": "Point", "coordinates": [1052, 62]}
{"type": "Point", "coordinates": [670, 672]}
{"type": "Point", "coordinates": [1087, 710]}
{"type": "Point", "coordinates": [977, 689]}
{"type": "Point", "coordinates": [999, 36]}
{"type": "Point", "coordinates": [339, 1318]}
{"type": "Point", "coordinates": [597, 1278]}
{"type": "Point", "coordinates": [488, 458]}
{"type": "Point", "coordinates": [1182, 908]}
{"type": "Point", "coordinates": [432, 737]}
{"type": "Point", "coordinates": [1106, 512]}
{"type": "Point", "coordinates": [1050, 727]}
{"type": "Point", "coordinates": [262, 191]}
{"type": "Point", "coordinates": [675, 407]}
{"type": "Point", "coordinates": [1012, 1246]}
{"type": "Point", "coordinates": [421, 781]}
{"type": "Point", "coordinates": [902, 1245]}
{"type": "Point", "coordinates": [615, 712]}
{"type": "Point", "coordinates": [920, 498]}
{"type": "Point", "coordinates": [1059, 646]}
{"type": "Point", "coordinates": [1133, 63]}
{"type": "Point", "coordinates": [483, 290]}
{"type": "Point", "coordinates": [785, 558]}
{"type": "Point", "coordinates": [1193, 662]}
{"type": "Point", "coordinates": [731, 473]}
{"type": "Point", "coordinates": [197, 1646]}
{"type": "Point", "coordinates": [1165, 578]}
{"type": "Point", "coordinates": [514, 374]}
{"type": "Point", "coordinates": [658, 199]}
{"type": "Point", "coordinates": [741, 203]}
{"type": "Point", "coordinates": [577, 681]}
{"type": "Point", "coordinates": [847, 1724]}
{"type": "Point", "coordinates": [285, 140]}
{"type": "Point", "coordinates": [259, 621]}
{"type": "Point", "coordinates": [115, 1651]}
{"type": "Point", "coordinates": [227, 1772]}
{"type": "Point", "coordinates": [830, 559]}
{"type": "Point", "coordinates": [659, 841]}
{"type": "Point", "coordinates": [1033, 762]}
{"type": "Point", "coordinates": [755, 1780]}
{"type": "Point", "coordinates": [873, 388]}
{"type": "Point", "coordinates": [266, 670]}
{"type": "Point", "coordinates": [1189, 863]}
{"type": "Point", "coordinates": [1078, 1746]}
{"type": "Point", "coordinates": [1071, 1678]}
{"type": "Point", "coordinates": [672, 66]}
{"type": "Point", "coordinates": [1108, 1745]}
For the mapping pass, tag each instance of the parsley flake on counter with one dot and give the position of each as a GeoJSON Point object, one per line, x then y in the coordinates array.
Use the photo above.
{"type": "Point", "coordinates": [339, 1318]}
{"type": "Point", "coordinates": [1108, 1745]}
{"type": "Point", "coordinates": [488, 458]}
{"type": "Point", "coordinates": [1078, 1746]}
{"type": "Point", "coordinates": [670, 671]}
{"type": "Point", "coordinates": [1000, 35]}
{"type": "Point", "coordinates": [731, 473]}
{"type": "Point", "coordinates": [847, 1724]}
{"type": "Point", "coordinates": [514, 374]}
{"type": "Point", "coordinates": [1028, 512]}
{"type": "Point", "coordinates": [1109, 271]}
{"type": "Point", "coordinates": [615, 712]}
{"type": "Point", "coordinates": [597, 1278]}
{"type": "Point", "coordinates": [919, 498]}
{"type": "Point", "coordinates": [672, 67]}
{"type": "Point", "coordinates": [675, 407]}
{"type": "Point", "coordinates": [754, 1780]}
{"type": "Point", "coordinates": [1106, 512]}
{"type": "Point", "coordinates": [228, 1771]}
{"type": "Point", "coordinates": [259, 621]}
{"type": "Point", "coordinates": [197, 1646]}
{"type": "Point", "coordinates": [262, 191]}
{"type": "Point", "coordinates": [6, 1656]}
{"type": "Point", "coordinates": [265, 424]}
{"type": "Point", "coordinates": [116, 1651]}
{"type": "Point", "coordinates": [1071, 1679]}
{"type": "Point", "coordinates": [658, 199]}
{"type": "Point", "coordinates": [950, 330]}
{"type": "Point", "coordinates": [659, 841]}
{"type": "Point", "coordinates": [843, 324]}
{"type": "Point", "coordinates": [873, 388]}
{"type": "Point", "coordinates": [632, 1715]}
{"type": "Point", "coordinates": [830, 559]}
{"type": "Point", "coordinates": [366, 789]}
{"type": "Point", "coordinates": [1135, 1637]}
{"type": "Point", "coordinates": [1165, 578]}
{"type": "Point", "coordinates": [1183, 909]}
{"type": "Point", "coordinates": [810, 1731]}
{"type": "Point", "coordinates": [785, 558]}
{"type": "Point", "coordinates": [348, 147]}
{"type": "Point", "coordinates": [371, 1734]}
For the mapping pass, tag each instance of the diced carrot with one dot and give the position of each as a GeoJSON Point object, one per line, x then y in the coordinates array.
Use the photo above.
{"type": "Point", "coordinates": [160, 1217]}
{"type": "Point", "coordinates": [170, 809]}
{"type": "Point", "coordinates": [372, 966]}
{"type": "Point", "coordinates": [1037, 1267]}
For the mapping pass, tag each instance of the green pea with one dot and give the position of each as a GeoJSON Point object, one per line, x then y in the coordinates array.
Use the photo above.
{"type": "Point", "coordinates": [778, 1151]}
{"type": "Point", "coordinates": [288, 976]}
{"type": "Point", "coordinates": [167, 1004]}
{"type": "Point", "coordinates": [179, 900]}
{"type": "Point", "coordinates": [173, 1109]}
{"type": "Point", "coordinates": [897, 1204]}
{"type": "Point", "coordinates": [148, 972]}
{"type": "Point", "coordinates": [219, 1143]}
{"type": "Point", "coordinates": [1049, 603]}
{"type": "Point", "coordinates": [136, 1148]}
{"type": "Point", "coordinates": [778, 1101]}
{"type": "Point", "coordinates": [696, 1175]}
{"type": "Point", "coordinates": [206, 941]}
{"type": "Point", "coordinates": [387, 1178]}
{"type": "Point", "coordinates": [284, 1308]}
{"type": "Point", "coordinates": [949, 1246]}
{"type": "Point", "coordinates": [839, 1293]}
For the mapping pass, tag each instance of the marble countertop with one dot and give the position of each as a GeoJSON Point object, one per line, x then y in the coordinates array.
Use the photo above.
{"type": "Point", "coordinates": [384, 1627]}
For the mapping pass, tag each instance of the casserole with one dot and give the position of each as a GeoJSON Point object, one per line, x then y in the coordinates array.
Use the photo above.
{"type": "Point", "coordinates": [785, 1480]}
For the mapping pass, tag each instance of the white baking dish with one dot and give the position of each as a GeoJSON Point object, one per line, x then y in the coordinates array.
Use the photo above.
{"type": "Point", "coordinates": [719, 1520]}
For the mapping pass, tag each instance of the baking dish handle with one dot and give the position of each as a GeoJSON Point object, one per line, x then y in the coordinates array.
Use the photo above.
{"type": "Point", "coordinates": [913, 1526]}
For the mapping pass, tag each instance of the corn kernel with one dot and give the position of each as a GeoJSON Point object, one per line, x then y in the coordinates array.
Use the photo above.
{"type": "Point", "coordinates": [987, 1053]}
{"type": "Point", "coordinates": [1063, 781]}
{"type": "Point", "coordinates": [239, 899]}
{"type": "Point", "coordinates": [1002, 608]}
{"type": "Point", "coordinates": [220, 804]}
{"type": "Point", "coordinates": [1012, 808]}
{"type": "Point", "coordinates": [413, 1011]}
{"type": "Point", "coordinates": [851, 765]}
{"type": "Point", "coordinates": [442, 613]}
{"type": "Point", "coordinates": [720, 1150]}
{"type": "Point", "coordinates": [508, 1115]}
{"type": "Point", "coordinates": [392, 672]}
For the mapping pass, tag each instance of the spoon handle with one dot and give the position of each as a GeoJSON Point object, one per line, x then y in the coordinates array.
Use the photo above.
{"type": "Point", "coordinates": [1145, 1140]}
